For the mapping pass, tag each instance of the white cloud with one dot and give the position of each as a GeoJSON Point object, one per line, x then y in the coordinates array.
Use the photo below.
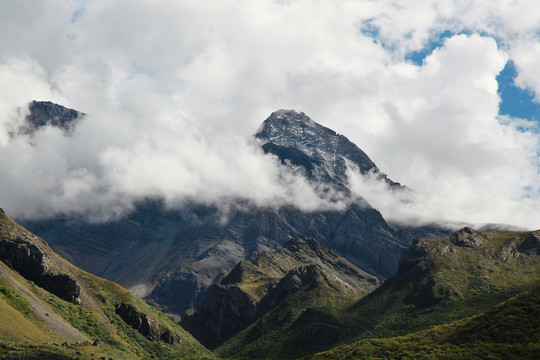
{"type": "Point", "coordinates": [175, 89]}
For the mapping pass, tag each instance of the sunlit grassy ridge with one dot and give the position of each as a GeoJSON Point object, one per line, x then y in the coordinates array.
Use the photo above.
{"type": "Point", "coordinates": [439, 282]}
{"type": "Point", "coordinates": [35, 321]}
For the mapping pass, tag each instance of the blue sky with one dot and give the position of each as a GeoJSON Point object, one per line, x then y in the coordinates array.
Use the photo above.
{"type": "Point", "coordinates": [516, 101]}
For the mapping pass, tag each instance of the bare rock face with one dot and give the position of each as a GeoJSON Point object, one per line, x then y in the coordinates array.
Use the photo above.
{"type": "Point", "coordinates": [145, 325]}
{"type": "Point", "coordinates": [323, 153]}
{"type": "Point", "coordinates": [468, 237]}
{"type": "Point", "coordinates": [46, 113]}
{"type": "Point", "coordinates": [27, 255]}
{"type": "Point", "coordinates": [312, 276]}
{"type": "Point", "coordinates": [531, 244]}
{"type": "Point", "coordinates": [225, 311]}
{"type": "Point", "coordinates": [417, 258]}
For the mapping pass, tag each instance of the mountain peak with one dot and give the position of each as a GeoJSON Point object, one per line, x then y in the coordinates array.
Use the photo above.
{"type": "Point", "coordinates": [302, 243]}
{"type": "Point", "coordinates": [323, 154]}
{"type": "Point", "coordinates": [46, 113]}
{"type": "Point", "coordinates": [282, 119]}
{"type": "Point", "coordinates": [283, 126]}
{"type": "Point", "coordinates": [271, 284]}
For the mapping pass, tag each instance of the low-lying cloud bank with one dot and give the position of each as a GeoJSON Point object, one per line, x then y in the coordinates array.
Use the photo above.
{"type": "Point", "coordinates": [173, 93]}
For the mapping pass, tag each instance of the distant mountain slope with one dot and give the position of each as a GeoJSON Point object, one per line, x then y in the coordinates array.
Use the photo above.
{"type": "Point", "coordinates": [171, 257]}
{"type": "Point", "coordinates": [438, 282]}
{"type": "Point", "coordinates": [510, 330]}
{"type": "Point", "coordinates": [269, 294]}
{"type": "Point", "coordinates": [441, 281]}
{"type": "Point", "coordinates": [49, 306]}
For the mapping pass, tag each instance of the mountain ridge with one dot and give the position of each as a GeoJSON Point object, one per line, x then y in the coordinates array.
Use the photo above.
{"type": "Point", "coordinates": [170, 257]}
{"type": "Point", "coordinates": [507, 330]}
{"type": "Point", "coordinates": [438, 282]}
{"type": "Point", "coordinates": [254, 289]}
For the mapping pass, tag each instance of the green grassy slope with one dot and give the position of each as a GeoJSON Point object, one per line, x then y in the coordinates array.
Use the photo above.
{"type": "Point", "coordinates": [439, 281]}
{"type": "Point", "coordinates": [510, 330]}
{"type": "Point", "coordinates": [36, 323]}
{"type": "Point", "coordinates": [293, 328]}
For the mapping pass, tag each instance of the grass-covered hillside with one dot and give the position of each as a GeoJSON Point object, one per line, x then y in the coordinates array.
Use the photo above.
{"type": "Point", "coordinates": [50, 309]}
{"type": "Point", "coordinates": [440, 281]}
{"type": "Point", "coordinates": [510, 330]}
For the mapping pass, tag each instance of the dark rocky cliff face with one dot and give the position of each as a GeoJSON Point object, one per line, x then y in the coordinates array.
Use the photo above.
{"type": "Point", "coordinates": [531, 245]}
{"type": "Point", "coordinates": [22, 252]}
{"type": "Point", "coordinates": [46, 113]}
{"type": "Point", "coordinates": [145, 325]}
{"type": "Point", "coordinates": [225, 311]}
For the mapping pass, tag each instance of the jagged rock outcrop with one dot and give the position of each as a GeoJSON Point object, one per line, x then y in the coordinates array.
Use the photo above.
{"type": "Point", "coordinates": [531, 244]}
{"type": "Point", "coordinates": [225, 311]}
{"type": "Point", "coordinates": [468, 237]}
{"type": "Point", "coordinates": [25, 253]}
{"type": "Point", "coordinates": [46, 113]}
{"type": "Point", "coordinates": [253, 289]}
{"type": "Point", "coordinates": [145, 325]}
{"type": "Point", "coordinates": [323, 154]}
{"type": "Point", "coordinates": [312, 276]}
{"type": "Point", "coordinates": [417, 258]}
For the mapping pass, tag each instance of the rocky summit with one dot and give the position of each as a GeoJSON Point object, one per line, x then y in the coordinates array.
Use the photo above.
{"type": "Point", "coordinates": [170, 257]}
{"type": "Point", "coordinates": [45, 113]}
{"type": "Point", "coordinates": [322, 153]}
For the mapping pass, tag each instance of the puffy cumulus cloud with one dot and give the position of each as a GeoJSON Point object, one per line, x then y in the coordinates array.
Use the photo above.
{"type": "Point", "coordinates": [407, 26]}
{"type": "Point", "coordinates": [447, 142]}
{"type": "Point", "coordinates": [174, 90]}
{"type": "Point", "coordinates": [526, 57]}
{"type": "Point", "coordinates": [20, 78]}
